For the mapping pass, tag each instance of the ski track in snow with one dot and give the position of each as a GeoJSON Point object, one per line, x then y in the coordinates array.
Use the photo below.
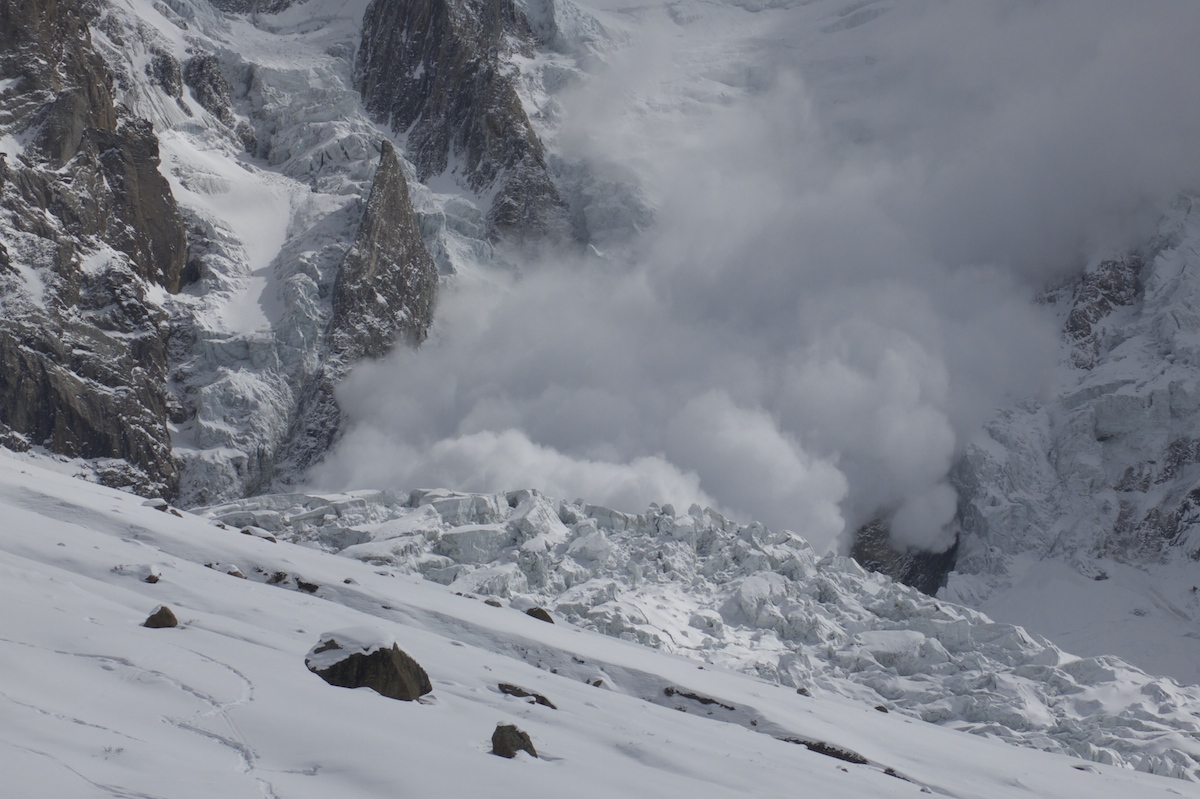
{"type": "Point", "coordinates": [232, 739]}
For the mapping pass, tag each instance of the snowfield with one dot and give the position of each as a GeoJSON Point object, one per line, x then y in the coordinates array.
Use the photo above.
{"type": "Point", "coordinates": [94, 704]}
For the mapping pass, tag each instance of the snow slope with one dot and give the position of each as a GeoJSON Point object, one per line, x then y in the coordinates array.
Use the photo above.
{"type": "Point", "coordinates": [96, 705]}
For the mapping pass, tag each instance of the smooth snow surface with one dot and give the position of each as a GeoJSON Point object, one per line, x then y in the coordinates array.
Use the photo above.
{"type": "Point", "coordinates": [253, 207]}
{"type": "Point", "coordinates": [1134, 612]}
{"type": "Point", "coordinates": [95, 705]}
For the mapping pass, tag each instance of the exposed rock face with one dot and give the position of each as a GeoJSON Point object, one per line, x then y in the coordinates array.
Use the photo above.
{"type": "Point", "coordinates": [166, 73]}
{"type": "Point", "coordinates": [924, 571]}
{"type": "Point", "coordinates": [1112, 284]}
{"type": "Point", "coordinates": [202, 74]}
{"type": "Point", "coordinates": [387, 287]}
{"type": "Point", "coordinates": [385, 293]}
{"type": "Point", "coordinates": [252, 6]}
{"type": "Point", "coordinates": [388, 672]}
{"type": "Point", "coordinates": [46, 45]}
{"type": "Point", "coordinates": [84, 393]}
{"type": "Point", "coordinates": [432, 69]}
{"type": "Point", "coordinates": [507, 740]}
{"type": "Point", "coordinates": [92, 224]}
{"type": "Point", "coordinates": [145, 223]}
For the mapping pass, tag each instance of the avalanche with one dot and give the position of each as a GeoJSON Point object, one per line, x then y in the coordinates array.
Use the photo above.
{"type": "Point", "coordinates": [1076, 509]}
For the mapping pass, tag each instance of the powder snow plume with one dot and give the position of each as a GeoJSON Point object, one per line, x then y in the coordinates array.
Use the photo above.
{"type": "Point", "coordinates": [852, 214]}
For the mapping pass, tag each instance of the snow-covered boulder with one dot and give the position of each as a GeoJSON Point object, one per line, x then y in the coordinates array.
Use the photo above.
{"type": "Point", "coordinates": [362, 658]}
{"type": "Point", "coordinates": [507, 740]}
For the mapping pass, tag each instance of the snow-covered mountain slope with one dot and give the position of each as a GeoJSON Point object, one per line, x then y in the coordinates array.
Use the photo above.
{"type": "Point", "coordinates": [97, 705]}
{"type": "Point", "coordinates": [761, 602]}
{"type": "Point", "coordinates": [233, 294]}
{"type": "Point", "coordinates": [272, 121]}
{"type": "Point", "coordinates": [1079, 513]}
{"type": "Point", "coordinates": [271, 157]}
{"type": "Point", "coordinates": [679, 142]}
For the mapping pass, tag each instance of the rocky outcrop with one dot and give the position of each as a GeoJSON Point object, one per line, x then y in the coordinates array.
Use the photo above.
{"type": "Point", "coordinates": [433, 70]}
{"type": "Point", "coordinates": [387, 287]}
{"type": "Point", "coordinates": [63, 85]}
{"type": "Point", "coordinates": [1111, 284]}
{"type": "Point", "coordinates": [345, 661]}
{"type": "Point", "coordinates": [165, 72]}
{"type": "Point", "coordinates": [88, 224]}
{"type": "Point", "coordinates": [202, 74]}
{"type": "Point", "coordinates": [385, 293]}
{"type": "Point", "coordinates": [924, 571]}
{"type": "Point", "coordinates": [252, 6]}
{"type": "Point", "coordinates": [144, 223]}
{"type": "Point", "coordinates": [81, 392]}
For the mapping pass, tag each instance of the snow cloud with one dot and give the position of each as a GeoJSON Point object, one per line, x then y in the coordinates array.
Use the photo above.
{"type": "Point", "coordinates": [851, 223]}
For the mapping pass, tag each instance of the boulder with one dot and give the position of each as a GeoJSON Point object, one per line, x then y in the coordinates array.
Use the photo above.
{"type": "Point", "coordinates": [507, 740]}
{"type": "Point", "coordinates": [521, 693]}
{"type": "Point", "coordinates": [162, 617]}
{"type": "Point", "coordinates": [350, 659]}
{"type": "Point", "coordinates": [540, 614]}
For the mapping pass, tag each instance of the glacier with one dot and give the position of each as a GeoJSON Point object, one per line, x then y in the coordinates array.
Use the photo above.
{"type": "Point", "coordinates": [746, 598]}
